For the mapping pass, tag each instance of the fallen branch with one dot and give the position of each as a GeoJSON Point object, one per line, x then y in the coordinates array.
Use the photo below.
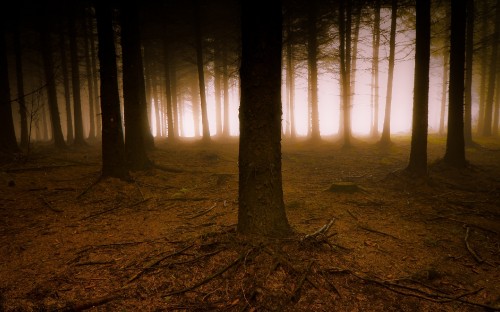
{"type": "Point", "coordinates": [113, 209]}
{"type": "Point", "coordinates": [50, 206]}
{"type": "Point", "coordinates": [206, 280]}
{"type": "Point", "coordinates": [323, 230]}
{"type": "Point", "coordinates": [201, 213]}
{"type": "Point", "coordinates": [89, 187]}
{"type": "Point", "coordinates": [156, 262]}
{"type": "Point", "coordinates": [376, 231]}
{"type": "Point", "coordinates": [472, 252]}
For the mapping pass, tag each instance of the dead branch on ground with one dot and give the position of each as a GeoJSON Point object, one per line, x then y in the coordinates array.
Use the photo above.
{"type": "Point", "coordinates": [469, 248]}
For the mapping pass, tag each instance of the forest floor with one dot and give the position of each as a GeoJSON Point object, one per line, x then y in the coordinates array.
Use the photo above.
{"type": "Point", "coordinates": [167, 241]}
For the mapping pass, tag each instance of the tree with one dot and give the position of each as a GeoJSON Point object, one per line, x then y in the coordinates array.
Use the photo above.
{"type": "Point", "coordinates": [455, 149]}
{"type": "Point", "coordinates": [261, 207]}
{"type": "Point", "coordinates": [488, 113]}
{"type": "Point", "coordinates": [20, 85]}
{"type": "Point", "coordinates": [65, 77]}
{"type": "Point", "coordinates": [88, 69]}
{"type": "Point", "coordinates": [345, 67]}
{"type": "Point", "coordinates": [8, 142]}
{"type": "Point", "coordinates": [444, 88]}
{"type": "Point", "coordinates": [48, 68]}
{"type": "Point", "coordinates": [134, 94]}
{"type": "Point", "coordinates": [312, 61]}
{"type": "Point", "coordinates": [418, 153]}
{"type": "Point", "coordinates": [386, 132]}
{"type": "Point", "coordinates": [469, 46]}
{"type": "Point", "coordinates": [113, 147]}
{"type": "Point", "coordinates": [375, 73]}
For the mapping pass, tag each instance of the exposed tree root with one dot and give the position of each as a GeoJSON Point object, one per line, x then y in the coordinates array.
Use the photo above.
{"type": "Point", "coordinates": [469, 248]}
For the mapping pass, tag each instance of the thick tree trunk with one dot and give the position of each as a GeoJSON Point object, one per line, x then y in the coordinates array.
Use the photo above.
{"type": "Point", "coordinates": [469, 45]}
{"type": "Point", "coordinates": [134, 94]}
{"type": "Point", "coordinates": [20, 86]}
{"type": "Point", "coordinates": [90, 83]}
{"type": "Point", "coordinates": [75, 79]}
{"type": "Point", "coordinates": [8, 141]}
{"type": "Point", "coordinates": [488, 109]}
{"type": "Point", "coordinates": [418, 153]}
{"type": "Point", "coordinates": [455, 146]}
{"type": "Point", "coordinates": [67, 92]}
{"type": "Point", "coordinates": [375, 71]}
{"type": "Point", "coordinates": [312, 62]}
{"type": "Point", "coordinates": [261, 208]}
{"type": "Point", "coordinates": [113, 147]}
{"type": "Point", "coordinates": [201, 74]}
{"type": "Point", "coordinates": [386, 133]}
{"type": "Point", "coordinates": [48, 67]}
{"type": "Point", "coordinates": [444, 89]}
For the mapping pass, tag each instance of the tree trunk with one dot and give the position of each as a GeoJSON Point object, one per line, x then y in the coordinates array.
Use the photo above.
{"type": "Point", "coordinates": [469, 45]}
{"type": "Point", "coordinates": [261, 208]}
{"type": "Point", "coordinates": [20, 86]}
{"type": "Point", "coordinates": [217, 88]}
{"type": "Point", "coordinates": [67, 92]}
{"type": "Point", "coordinates": [375, 71]}
{"type": "Point", "coordinates": [48, 67]}
{"type": "Point", "coordinates": [168, 90]}
{"type": "Point", "coordinates": [113, 147]}
{"type": "Point", "coordinates": [488, 111]}
{"type": "Point", "coordinates": [90, 83]}
{"type": "Point", "coordinates": [75, 79]}
{"type": "Point", "coordinates": [225, 85]}
{"type": "Point", "coordinates": [418, 153]}
{"type": "Point", "coordinates": [355, 39]}
{"type": "Point", "coordinates": [444, 89]}
{"type": "Point", "coordinates": [8, 141]}
{"type": "Point", "coordinates": [345, 67]}
{"type": "Point", "coordinates": [386, 133]}
{"type": "Point", "coordinates": [173, 91]}
{"type": "Point", "coordinates": [455, 147]}
{"type": "Point", "coordinates": [312, 61]}
{"type": "Point", "coordinates": [290, 73]}
{"type": "Point", "coordinates": [201, 74]}
{"type": "Point", "coordinates": [484, 67]}
{"type": "Point", "coordinates": [134, 94]}
{"type": "Point", "coordinates": [95, 79]}
{"type": "Point", "coordinates": [195, 107]}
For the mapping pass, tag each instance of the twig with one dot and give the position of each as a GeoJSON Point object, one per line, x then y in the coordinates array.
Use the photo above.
{"type": "Point", "coordinates": [50, 206]}
{"type": "Point", "coordinates": [323, 230]}
{"type": "Point", "coordinates": [376, 231]}
{"type": "Point", "coordinates": [139, 188]}
{"type": "Point", "coordinates": [206, 280]}
{"type": "Point", "coordinates": [89, 187]}
{"type": "Point", "coordinates": [352, 215]}
{"type": "Point", "coordinates": [113, 209]}
{"type": "Point", "coordinates": [201, 213]}
{"type": "Point", "coordinates": [472, 252]}
{"type": "Point", "coordinates": [151, 265]}
{"type": "Point", "coordinates": [296, 293]}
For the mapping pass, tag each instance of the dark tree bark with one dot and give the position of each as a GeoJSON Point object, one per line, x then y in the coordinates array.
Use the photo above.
{"type": "Point", "coordinates": [375, 71]}
{"type": "Point", "coordinates": [455, 146]}
{"type": "Point", "coordinates": [488, 109]}
{"type": "Point", "coordinates": [113, 147]}
{"type": "Point", "coordinates": [65, 77]}
{"type": "Point", "coordinates": [355, 39]}
{"type": "Point", "coordinates": [484, 68]}
{"type": "Point", "coordinates": [469, 46]}
{"type": "Point", "coordinates": [345, 67]}
{"type": "Point", "coordinates": [90, 83]}
{"type": "Point", "coordinates": [48, 68]}
{"type": "Point", "coordinates": [134, 93]}
{"type": "Point", "coordinates": [168, 90]}
{"type": "Point", "coordinates": [217, 88]}
{"type": "Point", "coordinates": [20, 86]}
{"type": "Point", "coordinates": [386, 132]}
{"type": "Point", "coordinates": [225, 86]}
{"type": "Point", "coordinates": [201, 74]}
{"type": "Point", "coordinates": [8, 141]}
{"type": "Point", "coordinates": [418, 153]}
{"type": "Point", "coordinates": [95, 78]}
{"type": "Point", "coordinates": [444, 89]}
{"type": "Point", "coordinates": [312, 62]}
{"type": "Point", "coordinates": [173, 91]}
{"type": "Point", "coordinates": [75, 78]}
{"type": "Point", "coordinates": [195, 107]}
{"type": "Point", "coordinates": [261, 208]}
{"type": "Point", "coordinates": [290, 79]}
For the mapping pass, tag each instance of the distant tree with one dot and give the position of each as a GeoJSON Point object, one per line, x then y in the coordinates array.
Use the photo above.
{"type": "Point", "coordinates": [65, 78]}
{"type": "Point", "coordinates": [312, 61]}
{"type": "Point", "coordinates": [418, 153]}
{"type": "Point", "coordinates": [345, 67]}
{"type": "Point", "coordinates": [113, 147]}
{"type": "Point", "coordinates": [488, 112]}
{"type": "Point", "coordinates": [444, 89]}
{"type": "Point", "coordinates": [23, 112]}
{"type": "Point", "coordinates": [48, 68]}
{"type": "Point", "coordinates": [261, 208]}
{"type": "Point", "coordinates": [201, 73]}
{"type": "Point", "coordinates": [134, 94]}
{"type": "Point", "coordinates": [455, 147]}
{"type": "Point", "coordinates": [225, 86]}
{"type": "Point", "coordinates": [8, 142]}
{"type": "Point", "coordinates": [168, 89]}
{"type": "Point", "coordinates": [375, 72]}
{"type": "Point", "coordinates": [87, 28]}
{"type": "Point", "coordinates": [386, 132]}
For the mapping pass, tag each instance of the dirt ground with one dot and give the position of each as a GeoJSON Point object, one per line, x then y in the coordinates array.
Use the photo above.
{"type": "Point", "coordinates": [167, 240]}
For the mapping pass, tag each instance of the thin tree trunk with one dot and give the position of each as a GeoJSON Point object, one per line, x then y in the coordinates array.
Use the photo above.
{"type": "Point", "coordinates": [217, 88]}
{"type": "Point", "coordinates": [468, 73]}
{"type": "Point", "coordinates": [312, 61]}
{"type": "Point", "coordinates": [168, 91]}
{"type": "Point", "coordinates": [67, 92]}
{"type": "Point", "coordinates": [375, 71]}
{"type": "Point", "coordinates": [90, 83]}
{"type": "Point", "coordinates": [173, 91]}
{"type": "Point", "coordinates": [195, 107]}
{"type": "Point", "coordinates": [484, 68]}
{"type": "Point", "coordinates": [455, 145]}
{"type": "Point", "coordinates": [75, 79]}
{"type": "Point", "coordinates": [225, 86]}
{"type": "Point", "coordinates": [386, 133]}
{"type": "Point", "coordinates": [113, 147]}
{"type": "Point", "coordinates": [488, 112]}
{"type": "Point", "coordinates": [418, 153]}
{"type": "Point", "coordinates": [355, 39]}
{"type": "Point", "coordinates": [20, 86]}
{"type": "Point", "coordinates": [201, 74]}
{"type": "Point", "coordinates": [345, 61]}
{"type": "Point", "coordinates": [95, 79]}
{"type": "Point", "coordinates": [444, 89]}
